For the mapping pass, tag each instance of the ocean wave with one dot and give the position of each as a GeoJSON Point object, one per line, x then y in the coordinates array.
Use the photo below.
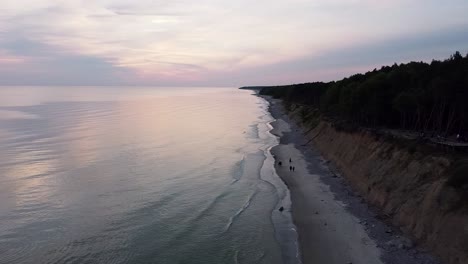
{"type": "Point", "coordinates": [238, 170]}
{"type": "Point", "coordinates": [240, 211]}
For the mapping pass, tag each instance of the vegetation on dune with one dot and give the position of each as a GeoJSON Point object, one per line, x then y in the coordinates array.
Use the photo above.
{"type": "Point", "coordinates": [414, 96]}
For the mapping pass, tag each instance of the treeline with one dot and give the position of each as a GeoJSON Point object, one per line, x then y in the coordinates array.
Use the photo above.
{"type": "Point", "coordinates": [414, 96]}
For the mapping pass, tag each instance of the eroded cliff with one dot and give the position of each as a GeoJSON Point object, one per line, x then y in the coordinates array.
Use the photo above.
{"type": "Point", "coordinates": [414, 186]}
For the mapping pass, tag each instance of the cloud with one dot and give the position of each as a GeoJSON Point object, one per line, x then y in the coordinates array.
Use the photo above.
{"type": "Point", "coordinates": [337, 63]}
{"type": "Point", "coordinates": [39, 64]}
{"type": "Point", "coordinates": [181, 42]}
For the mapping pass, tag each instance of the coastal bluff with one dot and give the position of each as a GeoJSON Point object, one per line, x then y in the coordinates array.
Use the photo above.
{"type": "Point", "coordinates": [417, 189]}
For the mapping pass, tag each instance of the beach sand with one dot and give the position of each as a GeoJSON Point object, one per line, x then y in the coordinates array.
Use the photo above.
{"type": "Point", "coordinates": [334, 224]}
{"type": "Point", "coordinates": [327, 232]}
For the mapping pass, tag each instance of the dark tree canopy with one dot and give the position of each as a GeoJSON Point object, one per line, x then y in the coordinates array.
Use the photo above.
{"type": "Point", "coordinates": [416, 96]}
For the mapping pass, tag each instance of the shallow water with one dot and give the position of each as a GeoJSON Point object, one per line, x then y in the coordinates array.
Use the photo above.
{"type": "Point", "coordinates": [139, 175]}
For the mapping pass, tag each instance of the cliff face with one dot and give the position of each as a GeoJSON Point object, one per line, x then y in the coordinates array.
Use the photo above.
{"type": "Point", "coordinates": [410, 187]}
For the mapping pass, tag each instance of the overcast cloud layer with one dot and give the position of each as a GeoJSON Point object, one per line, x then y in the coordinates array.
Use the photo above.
{"type": "Point", "coordinates": [215, 42]}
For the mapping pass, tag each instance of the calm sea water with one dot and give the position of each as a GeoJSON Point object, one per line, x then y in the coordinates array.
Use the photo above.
{"type": "Point", "coordinates": [139, 175]}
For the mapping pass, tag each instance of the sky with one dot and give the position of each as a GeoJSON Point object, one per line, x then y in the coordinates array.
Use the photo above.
{"type": "Point", "coordinates": [218, 42]}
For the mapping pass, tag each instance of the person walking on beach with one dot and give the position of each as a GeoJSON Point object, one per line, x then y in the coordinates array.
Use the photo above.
{"type": "Point", "coordinates": [293, 168]}
{"type": "Point", "coordinates": [280, 163]}
{"type": "Point", "coordinates": [290, 160]}
{"type": "Point", "coordinates": [290, 168]}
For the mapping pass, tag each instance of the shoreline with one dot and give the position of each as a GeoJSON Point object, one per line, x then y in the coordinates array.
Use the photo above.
{"type": "Point", "coordinates": [333, 224]}
{"type": "Point", "coordinates": [285, 231]}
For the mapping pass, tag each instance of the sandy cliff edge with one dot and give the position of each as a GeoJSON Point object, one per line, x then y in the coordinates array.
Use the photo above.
{"type": "Point", "coordinates": [334, 224]}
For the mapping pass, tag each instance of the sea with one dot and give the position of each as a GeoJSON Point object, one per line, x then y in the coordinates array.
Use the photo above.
{"type": "Point", "coordinates": [140, 175]}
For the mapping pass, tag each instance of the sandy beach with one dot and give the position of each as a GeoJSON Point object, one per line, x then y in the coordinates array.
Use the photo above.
{"type": "Point", "coordinates": [334, 224]}
{"type": "Point", "coordinates": [327, 232]}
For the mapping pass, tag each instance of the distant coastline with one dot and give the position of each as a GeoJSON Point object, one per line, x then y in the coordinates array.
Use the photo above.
{"type": "Point", "coordinates": [255, 88]}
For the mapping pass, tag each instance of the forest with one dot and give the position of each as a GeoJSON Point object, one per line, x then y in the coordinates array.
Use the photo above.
{"type": "Point", "coordinates": [418, 96]}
